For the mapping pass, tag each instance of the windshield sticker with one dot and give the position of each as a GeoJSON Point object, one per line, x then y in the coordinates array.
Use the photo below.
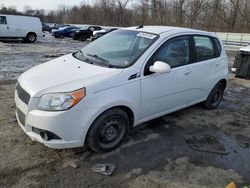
{"type": "Point", "coordinates": [146, 35]}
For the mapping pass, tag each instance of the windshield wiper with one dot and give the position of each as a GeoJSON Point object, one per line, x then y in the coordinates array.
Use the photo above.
{"type": "Point", "coordinates": [98, 57]}
{"type": "Point", "coordinates": [80, 51]}
{"type": "Point", "coordinates": [104, 61]}
{"type": "Point", "coordinates": [83, 56]}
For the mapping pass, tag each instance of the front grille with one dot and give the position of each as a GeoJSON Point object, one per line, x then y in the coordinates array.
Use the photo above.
{"type": "Point", "coordinates": [21, 116]}
{"type": "Point", "coordinates": [22, 94]}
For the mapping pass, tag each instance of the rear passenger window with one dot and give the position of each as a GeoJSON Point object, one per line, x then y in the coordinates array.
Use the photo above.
{"type": "Point", "coordinates": [204, 48]}
{"type": "Point", "coordinates": [217, 47]}
{"type": "Point", "coordinates": [3, 20]}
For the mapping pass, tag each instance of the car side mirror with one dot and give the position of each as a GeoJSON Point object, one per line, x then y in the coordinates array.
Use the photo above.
{"type": "Point", "coordinates": [160, 67]}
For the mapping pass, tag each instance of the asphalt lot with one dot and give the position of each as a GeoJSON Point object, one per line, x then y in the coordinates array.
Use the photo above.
{"type": "Point", "coordinates": [155, 154]}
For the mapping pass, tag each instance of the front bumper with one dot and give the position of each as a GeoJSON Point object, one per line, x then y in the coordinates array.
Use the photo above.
{"type": "Point", "coordinates": [70, 126]}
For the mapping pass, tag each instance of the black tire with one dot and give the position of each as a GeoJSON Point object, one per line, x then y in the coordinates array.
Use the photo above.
{"type": "Point", "coordinates": [215, 96]}
{"type": "Point", "coordinates": [60, 36]}
{"type": "Point", "coordinates": [83, 38]}
{"type": "Point", "coordinates": [108, 130]}
{"type": "Point", "coordinates": [31, 37]}
{"type": "Point", "coordinates": [74, 37]}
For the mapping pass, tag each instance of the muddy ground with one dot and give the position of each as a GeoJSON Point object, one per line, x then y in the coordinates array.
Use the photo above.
{"type": "Point", "coordinates": [154, 154]}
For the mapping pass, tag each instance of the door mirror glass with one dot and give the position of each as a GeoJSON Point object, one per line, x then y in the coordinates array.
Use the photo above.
{"type": "Point", "coordinates": [160, 67]}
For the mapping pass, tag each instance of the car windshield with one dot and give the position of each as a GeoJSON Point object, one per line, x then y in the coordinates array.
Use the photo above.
{"type": "Point", "coordinates": [118, 49]}
{"type": "Point", "coordinates": [84, 27]}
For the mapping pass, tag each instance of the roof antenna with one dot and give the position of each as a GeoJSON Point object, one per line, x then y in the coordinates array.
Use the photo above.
{"type": "Point", "coordinates": [139, 27]}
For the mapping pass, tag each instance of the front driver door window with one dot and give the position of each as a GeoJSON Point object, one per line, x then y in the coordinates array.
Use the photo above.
{"type": "Point", "coordinates": [161, 93]}
{"type": "Point", "coordinates": [4, 30]}
{"type": "Point", "coordinates": [174, 52]}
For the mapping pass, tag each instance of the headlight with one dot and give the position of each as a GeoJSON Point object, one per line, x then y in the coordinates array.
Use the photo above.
{"type": "Point", "coordinates": [60, 101]}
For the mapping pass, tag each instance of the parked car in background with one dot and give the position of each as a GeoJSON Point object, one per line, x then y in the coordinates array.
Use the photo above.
{"type": "Point", "coordinates": [99, 33]}
{"type": "Point", "coordinates": [54, 27]}
{"type": "Point", "coordinates": [25, 27]}
{"type": "Point", "coordinates": [46, 27]}
{"type": "Point", "coordinates": [96, 95]}
{"type": "Point", "coordinates": [85, 32]}
{"type": "Point", "coordinates": [65, 32]}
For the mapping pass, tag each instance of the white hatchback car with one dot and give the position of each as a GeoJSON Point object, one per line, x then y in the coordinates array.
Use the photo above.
{"type": "Point", "coordinates": [127, 77]}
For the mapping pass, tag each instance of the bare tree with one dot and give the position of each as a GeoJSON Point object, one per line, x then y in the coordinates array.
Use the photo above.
{"type": "Point", "coordinates": [179, 7]}
{"type": "Point", "coordinates": [235, 9]}
{"type": "Point", "coordinates": [120, 9]}
{"type": "Point", "coordinates": [215, 5]}
{"type": "Point", "coordinates": [195, 9]}
{"type": "Point", "coordinates": [213, 15]}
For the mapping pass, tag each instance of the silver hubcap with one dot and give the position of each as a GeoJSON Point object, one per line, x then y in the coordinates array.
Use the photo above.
{"type": "Point", "coordinates": [32, 37]}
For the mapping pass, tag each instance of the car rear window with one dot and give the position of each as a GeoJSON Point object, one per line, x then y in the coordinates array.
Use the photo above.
{"type": "Point", "coordinates": [204, 48]}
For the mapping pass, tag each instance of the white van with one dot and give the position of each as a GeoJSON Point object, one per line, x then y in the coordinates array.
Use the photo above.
{"type": "Point", "coordinates": [26, 27]}
{"type": "Point", "coordinates": [129, 76]}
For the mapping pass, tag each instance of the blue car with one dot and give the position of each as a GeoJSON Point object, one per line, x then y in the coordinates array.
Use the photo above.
{"type": "Point", "coordinates": [65, 32]}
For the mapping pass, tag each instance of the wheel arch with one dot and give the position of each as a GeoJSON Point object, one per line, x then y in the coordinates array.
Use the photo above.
{"type": "Point", "coordinates": [125, 108]}
{"type": "Point", "coordinates": [31, 32]}
{"type": "Point", "coordinates": [224, 82]}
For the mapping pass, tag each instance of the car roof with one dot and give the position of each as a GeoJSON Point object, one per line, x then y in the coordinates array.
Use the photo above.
{"type": "Point", "coordinates": [163, 29]}
{"type": "Point", "coordinates": [17, 15]}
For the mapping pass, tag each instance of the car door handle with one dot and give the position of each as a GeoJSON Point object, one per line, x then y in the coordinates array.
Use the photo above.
{"type": "Point", "coordinates": [7, 27]}
{"type": "Point", "coordinates": [187, 72]}
{"type": "Point", "coordinates": [217, 64]}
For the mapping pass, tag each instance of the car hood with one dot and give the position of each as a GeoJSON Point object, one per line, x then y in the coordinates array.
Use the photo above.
{"type": "Point", "coordinates": [63, 74]}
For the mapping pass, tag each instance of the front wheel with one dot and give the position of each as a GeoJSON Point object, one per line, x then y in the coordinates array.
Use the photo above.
{"type": "Point", "coordinates": [215, 96]}
{"type": "Point", "coordinates": [108, 130]}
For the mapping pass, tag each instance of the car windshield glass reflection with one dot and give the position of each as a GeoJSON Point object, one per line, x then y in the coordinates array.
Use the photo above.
{"type": "Point", "coordinates": [118, 49]}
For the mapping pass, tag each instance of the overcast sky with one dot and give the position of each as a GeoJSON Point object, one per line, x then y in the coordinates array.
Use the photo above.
{"type": "Point", "coordinates": [42, 4]}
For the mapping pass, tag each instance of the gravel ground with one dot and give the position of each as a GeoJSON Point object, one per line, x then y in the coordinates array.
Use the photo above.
{"type": "Point", "coordinates": [154, 154]}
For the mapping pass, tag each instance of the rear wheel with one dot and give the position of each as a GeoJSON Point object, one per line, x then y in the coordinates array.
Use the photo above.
{"type": "Point", "coordinates": [83, 38]}
{"type": "Point", "coordinates": [108, 130]}
{"type": "Point", "coordinates": [60, 36]}
{"type": "Point", "coordinates": [215, 96]}
{"type": "Point", "coordinates": [31, 37]}
{"type": "Point", "coordinates": [74, 37]}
